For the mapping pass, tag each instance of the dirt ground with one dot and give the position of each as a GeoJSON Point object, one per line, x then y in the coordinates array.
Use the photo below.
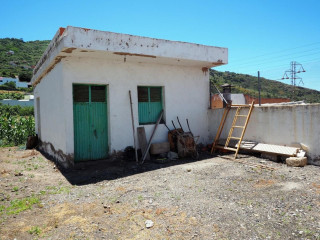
{"type": "Point", "coordinates": [212, 198]}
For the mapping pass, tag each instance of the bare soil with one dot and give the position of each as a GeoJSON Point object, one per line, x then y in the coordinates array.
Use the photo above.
{"type": "Point", "coordinates": [212, 198]}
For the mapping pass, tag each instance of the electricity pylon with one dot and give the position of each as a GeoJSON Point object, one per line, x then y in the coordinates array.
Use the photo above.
{"type": "Point", "coordinates": [293, 75]}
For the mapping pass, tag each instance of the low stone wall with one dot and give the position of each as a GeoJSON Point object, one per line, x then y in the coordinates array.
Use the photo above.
{"type": "Point", "coordinates": [284, 125]}
{"type": "Point", "coordinates": [22, 103]}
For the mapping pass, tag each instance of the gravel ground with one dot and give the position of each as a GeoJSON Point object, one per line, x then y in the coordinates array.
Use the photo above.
{"type": "Point", "coordinates": [213, 198]}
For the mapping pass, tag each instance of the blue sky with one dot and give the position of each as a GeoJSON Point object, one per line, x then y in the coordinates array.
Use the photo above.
{"type": "Point", "coordinates": [263, 35]}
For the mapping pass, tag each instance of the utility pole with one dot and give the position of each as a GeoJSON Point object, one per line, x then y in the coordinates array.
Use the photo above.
{"type": "Point", "coordinates": [293, 75]}
{"type": "Point", "coordinates": [259, 88]}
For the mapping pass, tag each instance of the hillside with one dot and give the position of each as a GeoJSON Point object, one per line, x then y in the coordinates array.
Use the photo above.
{"type": "Point", "coordinates": [17, 57]}
{"type": "Point", "coordinates": [248, 84]}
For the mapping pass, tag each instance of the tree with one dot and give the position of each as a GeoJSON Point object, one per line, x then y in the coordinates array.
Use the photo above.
{"type": "Point", "coordinates": [25, 77]}
{"type": "Point", "coordinates": [10, 84]}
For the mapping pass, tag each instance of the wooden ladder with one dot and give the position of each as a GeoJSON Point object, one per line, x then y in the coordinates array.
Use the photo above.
{"type": "Point", "coordinates": [233, 126]}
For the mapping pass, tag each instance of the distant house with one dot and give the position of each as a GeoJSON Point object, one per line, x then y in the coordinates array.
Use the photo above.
{"type": "Point", "coordinates": [4, 80]}
{"type": "Point", "coordinates": [10, 52]}
{"type": "Point", "coordinates": [82, 85]}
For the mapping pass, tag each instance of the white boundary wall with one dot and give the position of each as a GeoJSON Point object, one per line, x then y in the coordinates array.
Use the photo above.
{"type": "Point", "coordinates": [284, 125]}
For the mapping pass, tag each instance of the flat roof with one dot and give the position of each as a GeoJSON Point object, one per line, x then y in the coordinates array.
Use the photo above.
{"type": "Point", "coordinates": [89, 43]}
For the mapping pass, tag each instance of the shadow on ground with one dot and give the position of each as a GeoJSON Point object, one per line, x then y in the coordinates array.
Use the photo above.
{"type": "Point", "coordinates": [97, 171]}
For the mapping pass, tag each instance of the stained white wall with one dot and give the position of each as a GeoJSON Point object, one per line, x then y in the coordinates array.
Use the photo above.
{"type": "Point", "coordinates": [283, 125]}
{"type": "Point", "coordinates": [186, 94]}
{"type": "Point", "coordinates": [52, 115]}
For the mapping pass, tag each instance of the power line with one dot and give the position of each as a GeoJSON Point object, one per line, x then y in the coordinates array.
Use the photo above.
{"type": "Point", "coordinates": [267, 59]}
{"type": "Point", "coordinates": [288, 49]}
{"type": "Point", "coordinates": [280, 59]}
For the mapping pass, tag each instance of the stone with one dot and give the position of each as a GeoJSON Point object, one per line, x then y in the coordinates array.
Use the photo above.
{"type": "Point", "coordinates": [172, 155]}
{"type": "Point", "coordinates": [296, 161]}
{"type": "Point", "coordinates": [149, 224]}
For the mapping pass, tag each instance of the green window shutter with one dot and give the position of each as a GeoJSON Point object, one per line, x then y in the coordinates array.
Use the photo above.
{"type": "Point", "coordinates": [149, 104]}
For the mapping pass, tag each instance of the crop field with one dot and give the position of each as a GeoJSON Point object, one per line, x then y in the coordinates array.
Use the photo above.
{"type": "Point", "coordinates": [14, 130]}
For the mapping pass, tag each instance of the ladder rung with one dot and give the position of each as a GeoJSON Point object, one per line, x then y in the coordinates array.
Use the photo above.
{"type": "Point", "coordinates": [238, 126]}
{"type": "Point", "coordinates": [231, 149]}
{"type": "Point", "coordinates": [242, 115]}
{"type": "Point", "coordinates": [227, 148]}
{"type": "Point", "coordinates": [235, 138]}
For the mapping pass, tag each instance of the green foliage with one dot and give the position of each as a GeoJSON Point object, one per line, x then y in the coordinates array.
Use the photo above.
{"type": "Point", "coordinates": [14, 130]}
{"type": "Point", "coordinates": [19, 205]}
{"type": "Point", "coordinates": [11, 85]}
{"type": "Point", "coordinates": [246, 84]}
{"type": "Point", "coordinates": [11, 95]}
{"type": "Point", "coordinates": [26, 55]}
{"type": "Point", "coordinates": [16, 110]}
{"type": "Point", "coordinates": [25, 77]}
{"type": "Point", "coordinates": [35, 230]}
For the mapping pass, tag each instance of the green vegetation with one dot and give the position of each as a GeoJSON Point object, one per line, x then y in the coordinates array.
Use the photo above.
{"type": "Point", "coordinates": [11, 95]}
{"type": "Point", "coordinates": [25, 56]}
{"type": "Point", "coordinates": [247, 84]}
{"type": "Point", "coordinates": [16, 110]}
{"type": "Point", "coordinates": [19, 205]}
{"type": "Point", "coordinates": [14, 130]}
{"type": "Point", "coordinates": [35, 230]}
{"type": "Point", "coordinates": [56, 190]}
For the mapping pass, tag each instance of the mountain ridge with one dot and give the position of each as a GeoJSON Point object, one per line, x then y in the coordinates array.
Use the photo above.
{"type": "Point", "coordinates": [18, 58]}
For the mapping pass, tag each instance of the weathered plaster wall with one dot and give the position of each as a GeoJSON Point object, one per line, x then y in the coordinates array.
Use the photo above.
{"type": "Point", "coordinates": [52, 117]}
{"type": "Point", "coordinates": [186, 94]}
{"type": "Point", "coordinates": [283, 125]}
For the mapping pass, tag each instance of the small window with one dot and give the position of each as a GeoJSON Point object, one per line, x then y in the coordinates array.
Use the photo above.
{"type": "Point", "coordinates": [149, 104]}
{"type": "Point", "coordinates": [80, 93]}
{"type": "Point", "coordinates": [98, 93]}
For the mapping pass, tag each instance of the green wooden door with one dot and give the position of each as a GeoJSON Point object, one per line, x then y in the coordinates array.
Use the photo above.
{"type": "Point", "coordinates": [90, 122]}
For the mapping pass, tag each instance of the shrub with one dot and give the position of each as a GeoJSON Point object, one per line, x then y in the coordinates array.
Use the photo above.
{"type": "Point", "coordinates": [14, 130]}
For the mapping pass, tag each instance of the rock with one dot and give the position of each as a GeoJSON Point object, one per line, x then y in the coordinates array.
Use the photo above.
{"type": "Point", "coordinates": [189, 170]}
{"type": "Point", "coordinates": [172, 155]}
{"type": "Point", "coordinates": [301, 154]}
{"type": "Point", "coordinates": [296, 161]}
{"type": "Point", "coordinates": [149, 224]}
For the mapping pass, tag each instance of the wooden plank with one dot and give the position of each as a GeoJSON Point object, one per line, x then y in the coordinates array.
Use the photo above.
{"type": "Point", "coordinates": [143, 141]}
{"type": "Point", "coordinates": [158, 148]}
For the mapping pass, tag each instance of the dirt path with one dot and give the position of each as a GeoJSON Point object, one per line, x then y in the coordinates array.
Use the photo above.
{"type": "Point", "coordinates": [214, 198]}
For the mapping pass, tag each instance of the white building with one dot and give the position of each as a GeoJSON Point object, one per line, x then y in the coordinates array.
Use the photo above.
{"type": "Point", "coordinates": [82, 82]}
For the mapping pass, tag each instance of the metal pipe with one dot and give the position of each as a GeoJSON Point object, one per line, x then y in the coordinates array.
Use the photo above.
{"type": "Point", "coordinates": [173, 125]}
{"type": "Point", "coordinates": [179, 123]}
{"type": "Point", "coordinates": [259, 88]}
{"type": "Point", "coordinates": [188, 125]}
